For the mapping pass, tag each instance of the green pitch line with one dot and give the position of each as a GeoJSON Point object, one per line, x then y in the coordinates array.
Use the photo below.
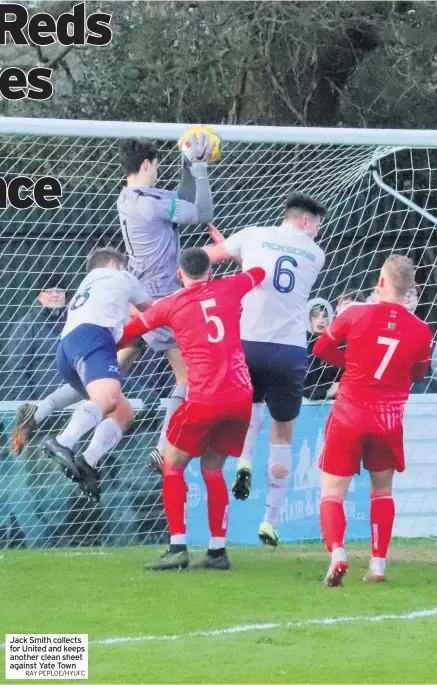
{"type": "Point", "coordinates": [107, 594]}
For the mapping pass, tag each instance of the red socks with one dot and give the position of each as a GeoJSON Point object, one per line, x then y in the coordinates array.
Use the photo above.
{"type": "Point", "coordinates": [218, 502]}
{"type": "Point", "coordinates": [382, 515]}
{"type": "Point", "coordinates": [332, 522]}
{"type": "Point", "coordinates": [174, 493]}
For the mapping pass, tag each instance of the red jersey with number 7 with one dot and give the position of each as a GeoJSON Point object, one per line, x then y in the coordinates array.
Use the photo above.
{"type": "Point", "coordinates": [205, 319]}
{"type": "Point", "coordinates": [387, 348]}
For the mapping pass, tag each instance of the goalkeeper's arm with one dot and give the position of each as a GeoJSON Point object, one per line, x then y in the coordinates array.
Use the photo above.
{"type": "Point", "coordinates": [194, 186]}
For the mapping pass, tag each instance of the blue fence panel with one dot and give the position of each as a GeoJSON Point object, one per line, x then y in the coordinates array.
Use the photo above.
{"type": "Point", "coordinates": [300, 512]}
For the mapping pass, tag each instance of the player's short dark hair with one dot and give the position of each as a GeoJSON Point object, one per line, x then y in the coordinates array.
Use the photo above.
{"type": "Point", "coordinates": [195, 263]}
{"type": "Point", "coordinates": [101, 256]}
{"type": "Point", "coordinates": [352, 296]}
{"type": "Point", "coordinates": [133, 152]}
{"type": "Point", "coordinates": [304, 204]}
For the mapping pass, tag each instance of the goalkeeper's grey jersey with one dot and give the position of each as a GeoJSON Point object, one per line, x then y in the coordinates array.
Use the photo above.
{"type": "Point", "coordinates": [148, 218]}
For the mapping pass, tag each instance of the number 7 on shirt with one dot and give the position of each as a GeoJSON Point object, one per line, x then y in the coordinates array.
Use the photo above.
{"type": "Point", "coordinates": [391, 347]}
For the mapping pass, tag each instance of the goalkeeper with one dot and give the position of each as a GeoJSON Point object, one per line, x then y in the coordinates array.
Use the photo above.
{"type": "Point", "coordinates": [148, 219]}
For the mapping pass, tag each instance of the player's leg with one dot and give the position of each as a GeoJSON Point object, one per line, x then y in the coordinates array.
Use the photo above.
{"type": "Point", "coordinates": [339, 461]}
{"type": "Point", "coordinates": [256, 360]}
{"type": "Point", "coordinates": [106, 436]}
{"type": "Point", "coordinates": [186, 434]}
{"type": "Point", "coordinates": [218, 504]}
{"type": "Point", "coordinates": [382, 515]}
{"type": "Point", "coordinates": [174, 494]}
{"type": "Point", "coordinates": [87, 358]}
{"type": "Point", "coordinates": [333, 524]}
{"type": "Point", "coordinates": [104, 396]}
{"type": "Point", "coordinates": [277, 478]}
{"type": "Point", "coordinates": [229, 425]}
{"type": "Point", "coordinates": [30, 416]}
{"type": "Point", "coordinates": [110, 431]}
{"type": "Point", "coordinates": [384, 455]}
{"type": "Point", "coordinates": [285, 385]}
{"type": "Point", "coordinates": [162, 340]}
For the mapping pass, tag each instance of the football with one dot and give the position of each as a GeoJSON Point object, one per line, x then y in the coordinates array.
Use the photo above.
{"type": "Point", "coordinates": [213, 138]}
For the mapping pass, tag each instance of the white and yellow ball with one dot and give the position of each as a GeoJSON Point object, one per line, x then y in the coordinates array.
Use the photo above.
{"type": "Point", "coordinates": [213, 139]}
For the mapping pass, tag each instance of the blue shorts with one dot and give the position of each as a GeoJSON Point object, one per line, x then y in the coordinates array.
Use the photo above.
{"type": "Point", "coordinates": [277, 372]}
{"type": "Point", "coordinates": [87, 354]}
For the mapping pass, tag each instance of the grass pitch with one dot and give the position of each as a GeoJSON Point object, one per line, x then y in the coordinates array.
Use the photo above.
{"type": "Point", "coordinates": [108, 594]}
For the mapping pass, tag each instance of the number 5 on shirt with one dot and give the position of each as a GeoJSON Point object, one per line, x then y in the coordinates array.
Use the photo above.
{"type": "Point", "coordinates": [391, 347]}
{"type": "Point", "coordinates": [207, 304]}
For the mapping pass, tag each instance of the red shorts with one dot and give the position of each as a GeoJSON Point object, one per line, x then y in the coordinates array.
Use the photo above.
{"type": "Point", "coordinates": [346, 446]}
{"type": "Point", "coordinates": [222, 428]}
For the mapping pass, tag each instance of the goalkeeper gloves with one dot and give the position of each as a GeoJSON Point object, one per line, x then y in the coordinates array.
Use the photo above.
{"type": "Point", "coordinates": [199, 149]}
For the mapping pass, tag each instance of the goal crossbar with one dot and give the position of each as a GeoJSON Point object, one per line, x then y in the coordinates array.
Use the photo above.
{"type": "Point", "coordinates": [232, 133]}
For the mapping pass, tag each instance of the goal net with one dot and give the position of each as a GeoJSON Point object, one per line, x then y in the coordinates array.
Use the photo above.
{"type": "Point", "coordinates": [380, 199]}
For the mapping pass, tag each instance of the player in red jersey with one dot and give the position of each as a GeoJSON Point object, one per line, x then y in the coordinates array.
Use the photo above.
{"type": "Point", "coordinates": [387, 348]}
{"type": "Point", "coordinates": [213, 419]}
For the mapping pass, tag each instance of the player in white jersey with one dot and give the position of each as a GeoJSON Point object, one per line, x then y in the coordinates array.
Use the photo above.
{"type": "Point", "coordinates": [273, 331]}
{"type": "Point", "coordinates": [87, 360]}
{"type": "Point", "coordinates": [148, 220]}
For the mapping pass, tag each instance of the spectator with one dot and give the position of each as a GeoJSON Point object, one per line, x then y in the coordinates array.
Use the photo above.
{"type": "Point", "coordinates": [31, 347]}
{"type": "Point", "coordinates": [412, 298]}
{"type": "Point", "coordinates": [349, 297]}
{"type": "Point", "coordinates": [320, 377]}
{"type": "Point", "coordinates": [429, 384]}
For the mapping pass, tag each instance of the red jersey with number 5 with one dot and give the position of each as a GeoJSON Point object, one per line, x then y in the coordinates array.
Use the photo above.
{"type": "Point", "coordinates": [387, 348]}
{"type": "Point", "coordinates": [205, 319]}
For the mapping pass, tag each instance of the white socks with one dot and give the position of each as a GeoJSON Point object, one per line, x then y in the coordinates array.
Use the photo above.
{"type": "Point", "coordinates": [280, 455]}
{"type": "Point", "coordinates": [338, 554]}
{"type": "Point", "coordinates": [217, 543]}
{"type": "Point", "coordinates": [106, 436]}
{"type": "Point", "coordinates": [377, 566]}
{"type": "Point", "coordinates": [173, 402]}
{"type": "Point", "coordinates": [256, 422]}
{"type": "Point", "coordinates": [87, 416]}
{"type": "Point", "coordinates": [178, 539]}
{"type": "Point", "coordinates": [57, 400]}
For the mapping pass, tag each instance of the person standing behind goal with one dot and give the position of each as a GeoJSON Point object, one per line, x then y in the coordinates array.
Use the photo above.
{"type": "Point", "coordinates": [148, 220]}
{"type": "Point", "coordinates": [387, 348]}
{"type": "Point", "coordinates": [273, 331]}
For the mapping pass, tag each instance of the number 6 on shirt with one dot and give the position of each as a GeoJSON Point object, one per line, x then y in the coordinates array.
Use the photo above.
{"type": "Point", "coordinates": [392, 345]}
{"type": "Point", "coordinates": [207, 304]}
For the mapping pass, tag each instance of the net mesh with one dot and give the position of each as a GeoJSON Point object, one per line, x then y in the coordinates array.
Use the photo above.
{"type": "Point", "coordinates": [365, 224]}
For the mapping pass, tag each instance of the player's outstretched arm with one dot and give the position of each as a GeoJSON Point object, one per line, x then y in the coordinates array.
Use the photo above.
{"type": "Point", "coordinates": [327, 350]}
{"type": "Point", "coordinates": [218, 253]}
{"type": "Point", "coordinates": [194, 186]}
{"type": "Point", "coordinates": [225, 248]}
{"type": "Point", "coordinates": [133, 330]}
{"type": "Point", "coordinates": [187, 184]}
{"type": "Point", "coordinates": [154, 317]}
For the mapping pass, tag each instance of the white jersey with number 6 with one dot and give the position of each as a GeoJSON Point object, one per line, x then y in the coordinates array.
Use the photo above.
{"type": "Point", "coordinates": [103, 299]}
{"type": "Point", "coordinates": [276, 311]}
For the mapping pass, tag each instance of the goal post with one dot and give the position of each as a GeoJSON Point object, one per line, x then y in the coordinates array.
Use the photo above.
{"type": "Point", "coordinates": [380, 187]}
